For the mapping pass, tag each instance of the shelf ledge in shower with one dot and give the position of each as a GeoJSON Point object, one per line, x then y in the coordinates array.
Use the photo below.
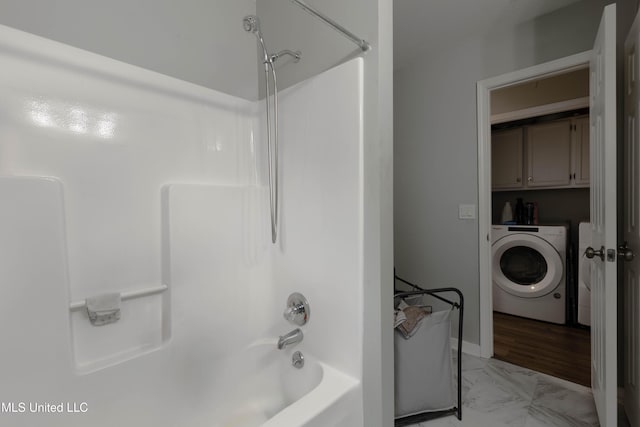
{"type": "Point", "coordinates": [78, 305]}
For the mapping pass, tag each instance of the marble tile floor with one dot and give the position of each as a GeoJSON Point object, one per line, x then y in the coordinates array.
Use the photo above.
{"type": "Point", "coordinates": [499, 394]}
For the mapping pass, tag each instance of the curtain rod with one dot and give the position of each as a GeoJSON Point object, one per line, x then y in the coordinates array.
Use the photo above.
{"type": "Point", "coordinates": [362, 44]}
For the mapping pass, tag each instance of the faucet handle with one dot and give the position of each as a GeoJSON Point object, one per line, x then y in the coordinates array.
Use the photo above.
{"type": "Point", "coordinates": [297, 311]}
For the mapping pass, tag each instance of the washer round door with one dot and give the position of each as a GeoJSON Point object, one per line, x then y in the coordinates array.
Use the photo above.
{"type": "Point", "coordinates": [526, 265]}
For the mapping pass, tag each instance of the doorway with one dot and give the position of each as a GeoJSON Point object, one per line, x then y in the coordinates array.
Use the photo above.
{"type": "Point", "coordinates": [487, 206]}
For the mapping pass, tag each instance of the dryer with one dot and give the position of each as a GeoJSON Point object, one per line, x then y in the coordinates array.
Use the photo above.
{"type": "Point", "coordinates": [529, 271]}
{"type": "Point", "coordinates": [584, 275]}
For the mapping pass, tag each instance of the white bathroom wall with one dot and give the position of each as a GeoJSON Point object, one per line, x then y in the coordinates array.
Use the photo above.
{"type": "Point", "coordinates": [435, 151]}
{"type": "Point", "coordinates": [320, 251]}
{"type": "Point", "coordinates": [120, 178]}
{"type": "Point", "coordinates": [115, 178]}
{"type": "Point", "coordinates": [200, 41]}
{"type": "Point", "coordinates": [287, 26]}
{"type": "Point", "coordinates": [320, 246]}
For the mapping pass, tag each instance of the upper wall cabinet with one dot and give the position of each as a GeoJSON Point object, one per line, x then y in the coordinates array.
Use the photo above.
{"type": "Point", "coordinates": [554, 155]}
{"type": "Point", "coordinates": [549, 154]}
{"type": "Point", "coordinates": [506, 158]}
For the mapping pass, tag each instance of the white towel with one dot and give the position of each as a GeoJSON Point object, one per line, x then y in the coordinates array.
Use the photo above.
{"type": "Point", "coordinates": [103, 309]}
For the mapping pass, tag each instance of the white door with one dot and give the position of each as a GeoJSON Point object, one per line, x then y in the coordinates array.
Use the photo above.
{"type": "Point", "coordinates": [631, 225]}
{"type": "Point", "coordinates": [603, 220]}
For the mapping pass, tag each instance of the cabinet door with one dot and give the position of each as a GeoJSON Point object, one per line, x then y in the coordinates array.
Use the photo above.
{"type": "Point", "coordinates": [506, 159]}
{"type": "Point", "coordinates": [549, 154]}
{"type": "Point", "coordinates": [581, 152]}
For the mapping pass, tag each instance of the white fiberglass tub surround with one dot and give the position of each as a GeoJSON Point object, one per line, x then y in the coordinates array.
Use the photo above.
{"type": "Point", "coordinates": [121, 179]}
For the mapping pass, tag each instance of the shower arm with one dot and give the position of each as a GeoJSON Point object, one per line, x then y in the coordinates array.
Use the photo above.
{"type": "Point", "coordinates": [295, 54]}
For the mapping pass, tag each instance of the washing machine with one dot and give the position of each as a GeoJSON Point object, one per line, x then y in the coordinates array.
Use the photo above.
{"type": "Point", "coordinates": [529, 271]}
{"type": "Point", "coordinates": [584, 275]}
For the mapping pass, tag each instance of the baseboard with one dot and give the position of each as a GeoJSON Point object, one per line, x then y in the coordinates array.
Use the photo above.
{"type": "Point", "coordinates": [467, 347]}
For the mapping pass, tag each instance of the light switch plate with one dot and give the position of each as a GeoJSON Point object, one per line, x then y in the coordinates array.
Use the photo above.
{"type": "Point", "coordinates": [467, 211]}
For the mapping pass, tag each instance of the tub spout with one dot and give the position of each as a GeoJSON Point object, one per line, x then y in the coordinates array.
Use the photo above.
{"type": "Point", "coordinates": [291, 338]}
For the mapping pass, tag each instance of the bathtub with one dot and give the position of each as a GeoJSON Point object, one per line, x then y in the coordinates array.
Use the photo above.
{"type": "Point", "coordinates": [273, 393]}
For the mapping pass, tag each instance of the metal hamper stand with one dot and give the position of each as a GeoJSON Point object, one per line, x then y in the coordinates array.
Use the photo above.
{"type": "Point", "coordinates": [435, 293]}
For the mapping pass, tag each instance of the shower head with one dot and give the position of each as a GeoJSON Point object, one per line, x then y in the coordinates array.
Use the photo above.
{"type": "Point", "coordinates": [251, 24]}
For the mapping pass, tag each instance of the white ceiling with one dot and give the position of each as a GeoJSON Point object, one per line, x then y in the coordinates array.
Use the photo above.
{"type": "Point", "coordinates": [423, 25]}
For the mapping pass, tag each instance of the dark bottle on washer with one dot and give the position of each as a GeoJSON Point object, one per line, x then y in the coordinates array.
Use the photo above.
{"type": "Point", "coordinates": [520, 213]}
{"type": "Point", "coordinates": [529, 214]}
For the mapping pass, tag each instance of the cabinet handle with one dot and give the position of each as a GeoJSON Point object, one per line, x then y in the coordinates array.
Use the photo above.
{"type": "Point", "coordinates": [530, 179]}
{"type": "Point", "coordinates": [518, 179]}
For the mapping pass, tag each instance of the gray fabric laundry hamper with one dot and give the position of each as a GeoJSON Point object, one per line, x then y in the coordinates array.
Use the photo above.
{"type": "Point", "coordinates": [424, 379]}
{"type": "Point", "coordinates": [423, 367]}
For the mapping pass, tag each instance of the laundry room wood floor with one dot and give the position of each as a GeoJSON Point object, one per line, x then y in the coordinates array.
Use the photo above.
{"type": "Point", "coordinates": [561, 351]}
